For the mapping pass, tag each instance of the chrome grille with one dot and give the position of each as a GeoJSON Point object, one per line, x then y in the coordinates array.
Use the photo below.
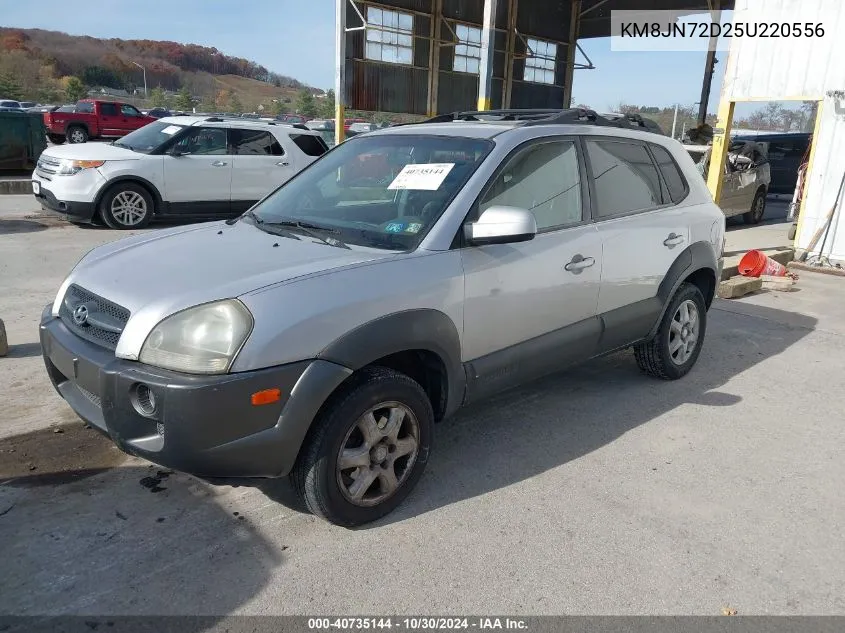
{"type": "Point", "coordinates": [47, 167]}
{"type": "Point", "coordinates": [92, 317]}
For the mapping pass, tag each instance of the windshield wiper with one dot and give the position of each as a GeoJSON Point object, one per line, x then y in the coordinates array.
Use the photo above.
{"type": "Point", "coordinates": [119, 144]}
{"type": "Point", "coordinates": [310, 230]}
{"type": "Point", "coordinates": [267, 228]}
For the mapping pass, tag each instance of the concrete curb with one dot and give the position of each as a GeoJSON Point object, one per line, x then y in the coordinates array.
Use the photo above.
{"type": "Point", "coordinates": [781, 255]}
{"type": "Point", "coordinates": [15, 186]}
{"type": "Point", "coordinates": [738, 287]}
{"type": "Point", "coordinates": [4, 343]}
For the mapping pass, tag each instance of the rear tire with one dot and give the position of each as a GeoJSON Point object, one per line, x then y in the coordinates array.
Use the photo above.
{"type": "Point", "coordinates": [76, 134]}
{"type": "Point", "coordinates": [676, 346]}
{"type": "Point", "coordinates": [398, 419]}
{"type": "Point", "coordinates": [758, 208]}
{"type": "Point", "coordinates": [127, 206]}
{"type": "Point", "coordinates": [56, 139]}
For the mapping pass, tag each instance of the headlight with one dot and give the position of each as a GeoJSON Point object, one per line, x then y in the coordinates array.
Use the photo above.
{"type": "Point", "coordinates": [200, 340]}
{"type": "Point", "coordinates": [69, 167]}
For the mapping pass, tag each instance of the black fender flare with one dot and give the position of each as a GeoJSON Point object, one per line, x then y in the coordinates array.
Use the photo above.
{"type": "Point", "coordinates": [696, 256]}
{"type": "Point", "coordinates": [157, 199]}
{"type": "Point", "coordinates": [417, 329]}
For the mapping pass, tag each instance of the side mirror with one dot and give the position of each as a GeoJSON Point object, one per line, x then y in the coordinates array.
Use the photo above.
{"type": "Point", "coordinates": [176, 152]}
{"type": "Point", "coordinates": [501, 225]}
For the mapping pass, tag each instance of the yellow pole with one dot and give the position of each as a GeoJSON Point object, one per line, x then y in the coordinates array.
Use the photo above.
{"type": "Point", "coordinates": [719, 151]}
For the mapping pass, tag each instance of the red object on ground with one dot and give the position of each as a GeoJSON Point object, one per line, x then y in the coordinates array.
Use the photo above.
{"type": "Point", "coordinates": [756, 263]}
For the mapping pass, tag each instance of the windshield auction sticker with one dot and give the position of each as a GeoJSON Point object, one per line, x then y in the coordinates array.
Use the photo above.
{"type": "Point", "coordinates": [425, 176]}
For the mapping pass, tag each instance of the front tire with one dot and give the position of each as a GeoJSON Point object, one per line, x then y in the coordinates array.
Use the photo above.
{"type": "Point", "coordinates": [758, 208]}
{"type": "Point", "coordinates": [127, 206]}
{"type": "Point", "coordinates": [76, 134]}
{"type": "Point", "coordinates": [367, 449]}
{"type": "Point", "coordinates": [676, 346]}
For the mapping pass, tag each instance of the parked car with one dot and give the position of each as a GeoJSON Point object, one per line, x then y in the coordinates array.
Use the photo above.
{"type": "Point", "coordinates": [25, 105]}
{"type": "Point", "coordinates": [159, 113]}
{"type": "Point", "coordinates": [326, 128]}
{"type": "Point", "coordinates": [746, 179]}
{"type": "Point", "coordinates": [91, 119]}
{"type": "Point", "coordinates": [292, 118]}
{"type": "Point", "coordinates": [785, 153]}
{"type": "Point", "coordinates": [361, 128]}
{"type": "Point", "coordinates": [323, 333]}
{"type": "Point", "coordinates": [8, 105]}
{"type": "Point", "coordinates": [187, 167]}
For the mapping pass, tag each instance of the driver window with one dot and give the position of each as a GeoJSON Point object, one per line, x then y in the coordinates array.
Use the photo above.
{"type": "Point", "coordinates": [128, 110]}
{"type": "Point", "coordinates": [544, 179]}
{"type": "Point", "coordinates": [204, 141]}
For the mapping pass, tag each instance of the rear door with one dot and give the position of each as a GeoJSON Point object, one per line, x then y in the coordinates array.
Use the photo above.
{"type": "Point", "coordinates": [199, 181]}
{"type": "Point", "coordinates": [260, 165]}
{"type": "Point", "coordinates": [131, 118]}
{"type": "Point", "coordinates": [641, 229]}
{"type": "Point", "coordinates": [109, 119]}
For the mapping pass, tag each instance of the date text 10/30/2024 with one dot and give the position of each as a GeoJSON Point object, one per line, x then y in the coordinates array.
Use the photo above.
{"type": "Point", "coordinates": [415, 624]}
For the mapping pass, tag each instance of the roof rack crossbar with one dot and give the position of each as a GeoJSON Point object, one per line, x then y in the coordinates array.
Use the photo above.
{"type": "Point", "coordinates": [536, 116]}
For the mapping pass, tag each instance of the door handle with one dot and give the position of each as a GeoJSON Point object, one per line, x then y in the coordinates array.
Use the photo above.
{"type": "Point", "coordinates": [219, 163]}
{"type": "Point", "coordinates": [283, 163]}
{"type": "Point", "coordinates": [673, 240]}
{"type": "Point", "coordinates": [579, 263]}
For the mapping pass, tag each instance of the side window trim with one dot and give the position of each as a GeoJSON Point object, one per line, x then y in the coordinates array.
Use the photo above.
{"type": "Point", "coordinates": [586, 194]}
{"type": "Point", "coordinates": [619, 139]}
{"type": "Point", "coordinates": [665, 187]}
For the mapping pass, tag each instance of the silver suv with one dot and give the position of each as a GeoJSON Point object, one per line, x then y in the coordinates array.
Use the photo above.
{"type": "Point", "coordinates": [406, 273]}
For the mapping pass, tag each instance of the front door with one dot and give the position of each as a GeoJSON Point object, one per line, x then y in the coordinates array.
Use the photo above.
{"type": "Point", "coordinates": [642, 233]}
{"type": "Point", "coordinates": [198, 181]}
{"type": "Point", "coordinates": [259, 166]}
{"type": "Point", "coordinates": [530, 307]}
{"type": "Point", "coordinates": [131, 118]}
{"type": "Point", "coordinates": [109, 119]}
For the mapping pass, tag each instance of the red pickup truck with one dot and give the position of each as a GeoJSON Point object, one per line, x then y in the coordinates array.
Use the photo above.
{"type": "Point", "coordinates": [94, 119]}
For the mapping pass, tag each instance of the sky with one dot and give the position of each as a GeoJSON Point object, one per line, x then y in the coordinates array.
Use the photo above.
{"type": "Point", "coordinates": [296, 38]}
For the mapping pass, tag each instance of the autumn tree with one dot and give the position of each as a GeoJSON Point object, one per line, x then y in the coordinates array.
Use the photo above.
{"type": "Point", "coordinates": [222, 99]}
{"type": "Point", "coordinates": [278, 107]}
{"type": "Point", "coordinates": [305, 103]}
{"type": "Point", "coordinates": [235, 104]}
{"type": "Point", "coordinates": [74, 89]}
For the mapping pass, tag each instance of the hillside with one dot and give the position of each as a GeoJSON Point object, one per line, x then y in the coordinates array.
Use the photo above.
{"type": "Point", "coordinates": [37, 64]}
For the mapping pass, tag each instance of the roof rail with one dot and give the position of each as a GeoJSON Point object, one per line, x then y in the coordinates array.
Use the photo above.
{"type": "Point", "coordinates": [568, 116]}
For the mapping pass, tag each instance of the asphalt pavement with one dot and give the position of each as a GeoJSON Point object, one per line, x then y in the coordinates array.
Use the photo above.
{"type": "Point", "coordinates": [594, 491]}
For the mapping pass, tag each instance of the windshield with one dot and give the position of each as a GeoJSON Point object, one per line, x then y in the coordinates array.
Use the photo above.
{"type": "Point", "coordinates": [149, 137]}
{"type": "Point", "coordinates": [382, 191]}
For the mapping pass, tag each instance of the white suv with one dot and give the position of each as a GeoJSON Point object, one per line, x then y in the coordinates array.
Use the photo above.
{"type": "Point", "coordinates": [185, 167]}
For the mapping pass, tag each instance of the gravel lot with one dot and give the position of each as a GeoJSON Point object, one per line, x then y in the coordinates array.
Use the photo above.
{"type": "Point", "coordinates": [596, 491]}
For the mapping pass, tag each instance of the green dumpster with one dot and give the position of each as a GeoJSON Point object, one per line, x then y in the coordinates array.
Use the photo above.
{"type": "Point", "coordinates": [22, 139]}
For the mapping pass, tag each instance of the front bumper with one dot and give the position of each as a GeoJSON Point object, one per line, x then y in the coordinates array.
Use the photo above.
{"type": "Point", "coordinates": [203, 425]}
{"type": "Point", "coordinates": [77, 211]}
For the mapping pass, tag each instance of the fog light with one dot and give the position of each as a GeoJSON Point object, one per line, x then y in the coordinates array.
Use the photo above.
{"type": "Point", "coordinates": [144, 400]}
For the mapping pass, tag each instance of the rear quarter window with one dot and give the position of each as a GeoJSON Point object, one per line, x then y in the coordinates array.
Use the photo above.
{"type": "Point", "coordinates": [311, 145]}
{"type": "Point", "coordinates": [672, 176]}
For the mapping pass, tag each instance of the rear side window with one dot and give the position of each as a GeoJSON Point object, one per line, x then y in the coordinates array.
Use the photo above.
{"type": "Point", "coordinates": [671, 173]}
{"type": "Point", "coordinates": [108, 109]}
{"type": "Point", "coordinates": [311, 145]}
{"type": "Point", "coordinates": [85, 107]}
{"type": "Point", "coordinates": [625, 177]}
{"type": "Point", "coordinates": [254, 143]}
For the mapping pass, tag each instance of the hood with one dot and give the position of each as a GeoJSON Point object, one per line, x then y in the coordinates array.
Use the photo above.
{"type": "Point", "coordinates": [92, 151]}
{"type": "Point", "coordinates": [158, 273]}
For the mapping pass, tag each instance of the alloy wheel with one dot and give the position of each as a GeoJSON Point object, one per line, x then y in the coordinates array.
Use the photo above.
{"type": "Point", "coordinates": [378, 454]}
{"type": "Point", "coordinates": [683, 332]}
{"type": "Point", "coordinates": [128, 208]}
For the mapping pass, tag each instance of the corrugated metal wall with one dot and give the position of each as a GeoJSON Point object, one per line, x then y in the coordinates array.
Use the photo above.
{"type": "Point", "coordinates": [799, 68]}
{"type": "Point", "coordinates": [400, 88]}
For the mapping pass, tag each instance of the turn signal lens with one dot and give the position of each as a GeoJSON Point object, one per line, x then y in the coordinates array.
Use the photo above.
{"type": "Point", "coordinates": [88, 164]}
{"type": "Point", "coordinates": [268, 396]}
